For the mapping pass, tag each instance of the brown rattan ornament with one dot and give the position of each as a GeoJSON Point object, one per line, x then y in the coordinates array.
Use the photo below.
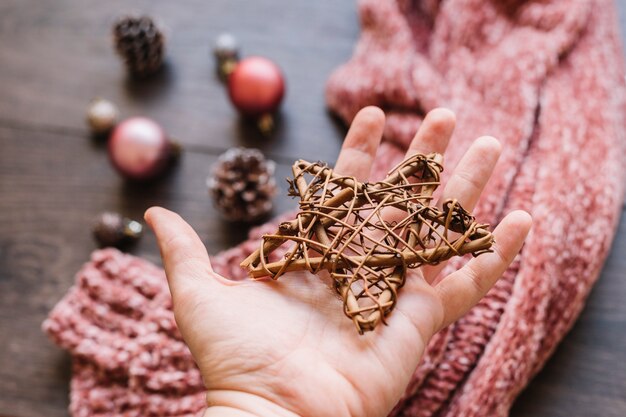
{"type": "Point", "coordinates": [367, 235]}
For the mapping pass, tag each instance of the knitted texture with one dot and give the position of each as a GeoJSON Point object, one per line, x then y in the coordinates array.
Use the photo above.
{"type": "Point", "coordinates": [546, 78]}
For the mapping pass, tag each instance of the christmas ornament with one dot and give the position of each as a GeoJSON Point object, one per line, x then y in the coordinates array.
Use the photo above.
{"type": "Point", "coordinates": [101, 116]}
{"type": "Point", "coordinates": [112, 229]}
{"type": "Point", "coordinates": [343, 227]}
{"type": "Point", "coordinates": [256, 88]}
{"type": "Point", "coordinates": [139, 149]}
{"type": "Point", "coordinates": [242, 184]}
{"type": "Point", "coordinates": [226, 53]}
{"type": "Point", "coordinates": [140, 44]}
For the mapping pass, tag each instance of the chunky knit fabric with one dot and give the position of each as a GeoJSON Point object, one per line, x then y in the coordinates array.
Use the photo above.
{"type": "Point", "coordinates": [546, 78]}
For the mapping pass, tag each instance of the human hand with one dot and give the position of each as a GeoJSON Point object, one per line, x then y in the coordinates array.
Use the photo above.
{"type": "Point", "coordinates": [285, 348]}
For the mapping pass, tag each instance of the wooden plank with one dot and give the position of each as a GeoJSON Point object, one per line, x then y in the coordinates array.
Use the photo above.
{"type": "Point", "coordinates": [58, 55]}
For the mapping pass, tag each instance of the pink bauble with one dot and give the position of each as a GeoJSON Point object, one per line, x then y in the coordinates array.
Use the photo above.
{"type": "Point", "coordinates": [139, 149]}
{"type": "Point", "coordinates": [256, 86]}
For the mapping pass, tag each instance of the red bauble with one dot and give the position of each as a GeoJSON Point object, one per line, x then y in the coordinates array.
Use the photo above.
{"type": "Point", "coordinates": [256, 86]}
{"type": "Point", "coordinates": [139, 149]}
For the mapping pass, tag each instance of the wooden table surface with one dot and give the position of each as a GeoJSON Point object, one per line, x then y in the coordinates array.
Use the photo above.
{"type": "Point", "coordinates": [56, 55]}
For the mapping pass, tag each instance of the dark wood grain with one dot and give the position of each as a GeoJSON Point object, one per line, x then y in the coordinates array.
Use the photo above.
{"type": "Point", "coordinates": [56, 55]}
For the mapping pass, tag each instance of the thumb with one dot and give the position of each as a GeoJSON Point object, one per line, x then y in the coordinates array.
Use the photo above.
{"type": "Point", "coordinates": [185, 258]}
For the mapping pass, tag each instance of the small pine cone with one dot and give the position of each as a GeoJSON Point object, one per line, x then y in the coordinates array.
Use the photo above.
{"type": "Point", "coordinates": [242, 184]}
{"type": "Point", "coordinates": [140, 43]}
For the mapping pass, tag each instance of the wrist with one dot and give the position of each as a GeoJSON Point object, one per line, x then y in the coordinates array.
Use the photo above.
{"type": "Point", "coordinates": [227, 403]}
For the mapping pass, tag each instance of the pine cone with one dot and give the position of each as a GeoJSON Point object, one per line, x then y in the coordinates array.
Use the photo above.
{"type": "Point", "coordinates": [140, 43]}
{"type": "Point", "coordinates": [242, 184]}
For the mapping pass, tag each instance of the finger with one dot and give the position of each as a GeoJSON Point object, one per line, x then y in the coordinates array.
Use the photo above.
{"type": "Point", "coordinates": [434, 133]}
{"type": "Point", "coordinates": [468, 181]}
{"type": "Point", "coordinates": [185, 259]}
{"type": "Point", "coordinates": [472, 172]}
{"type": "Point", "coordinates": [432, 136]}
{"type": "Point", "coordinates": [359, 147]}
{"type": "Point", "coordinates": [461, 290]}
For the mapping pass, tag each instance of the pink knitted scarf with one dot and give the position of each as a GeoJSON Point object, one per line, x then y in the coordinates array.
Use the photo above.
{"type": "Point", "coordinates": [546, 78]}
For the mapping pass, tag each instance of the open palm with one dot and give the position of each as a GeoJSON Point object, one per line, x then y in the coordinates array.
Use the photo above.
{"type": "Point", "coordinates": [285, 348]}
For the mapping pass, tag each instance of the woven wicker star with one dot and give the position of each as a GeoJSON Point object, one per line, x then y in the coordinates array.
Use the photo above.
{"type": "Point", "coordinates": [368, 235]}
